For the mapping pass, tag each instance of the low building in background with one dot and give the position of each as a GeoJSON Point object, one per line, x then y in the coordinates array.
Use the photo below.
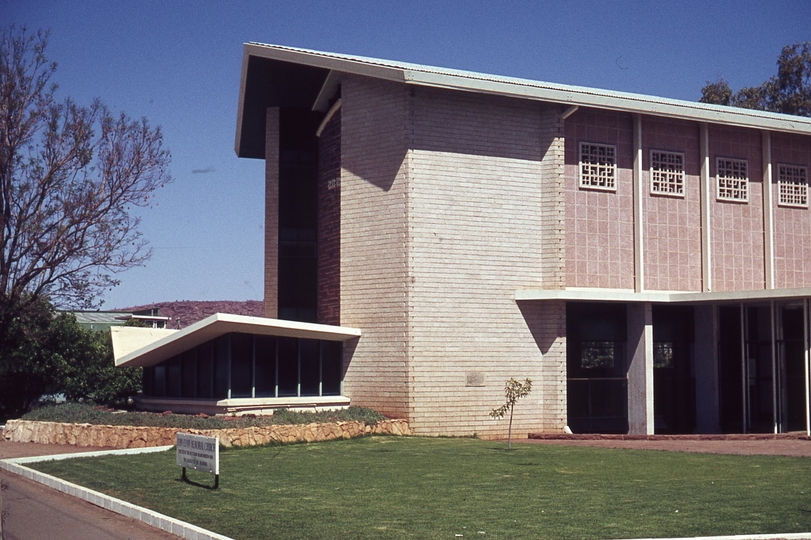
{"type": "Point", "coordinates": [104, 320]}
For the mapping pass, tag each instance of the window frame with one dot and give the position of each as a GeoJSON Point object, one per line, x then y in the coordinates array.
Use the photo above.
{"type": "Point", "coordinates": [718, 179]}
{"type": "Point", "coordinates": [679, 181]}
{"type": "Point", "coordinates": [583, 180]}
{"type": "Point", "coordinates": [803, 184]}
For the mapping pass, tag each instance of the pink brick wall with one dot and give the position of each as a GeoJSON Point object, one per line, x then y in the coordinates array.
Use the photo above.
{"type": "Point", "coordinates": [792, 226]}
{"type": "Point", "coordinates": [672, 231]}
{"type": "Point", "coordinates": [599, 225]}
{"type": "Point", "coordinates": [737, 228]}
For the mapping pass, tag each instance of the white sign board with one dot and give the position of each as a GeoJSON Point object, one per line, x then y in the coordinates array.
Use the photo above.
{"type": "Point", "coordinates": [198, 452]}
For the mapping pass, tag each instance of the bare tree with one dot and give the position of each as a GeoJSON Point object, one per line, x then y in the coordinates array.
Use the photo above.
{"type": "Point", "coordinates": [70, 178]}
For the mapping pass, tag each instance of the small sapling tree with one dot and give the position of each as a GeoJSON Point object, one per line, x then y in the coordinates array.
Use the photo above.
{"type": "Point", "coordinates": [513, 391]}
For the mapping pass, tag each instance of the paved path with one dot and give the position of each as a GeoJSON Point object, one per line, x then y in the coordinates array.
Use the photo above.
{"type": "Point", "coordinates": [788, 446]}
{"type": "Point", "coordinates": [36, 512]}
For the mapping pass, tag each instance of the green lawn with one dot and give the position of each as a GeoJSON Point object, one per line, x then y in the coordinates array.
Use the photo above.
{"type": "Point", "coordinates": [411, 487]}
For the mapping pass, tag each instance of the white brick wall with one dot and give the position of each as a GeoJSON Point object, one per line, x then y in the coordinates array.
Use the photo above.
{"type": "Point", "coordinates": [475, 208]}
{"type": "Point", "coordinates": [444, 215]}
{"type": "Point", "coordinates": [373, 242]}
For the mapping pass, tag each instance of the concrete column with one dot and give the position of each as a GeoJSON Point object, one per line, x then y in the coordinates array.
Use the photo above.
{"type": "Point", "coordinates": [706, 232]}
{"type": "Point", "coordinates": [768, 209]}
{"type": "Point", "coordinates": [708, 409]}
{"type": "Point", "coordinates": [639, 219]}
{"type": "Point", "coordinates": [640, 369]}
{"type": "Point", "coordinates": [272, 213]}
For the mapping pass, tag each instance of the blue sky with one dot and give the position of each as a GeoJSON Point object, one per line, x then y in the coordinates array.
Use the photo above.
{"type": "Point", "coordinates": [178, 64]}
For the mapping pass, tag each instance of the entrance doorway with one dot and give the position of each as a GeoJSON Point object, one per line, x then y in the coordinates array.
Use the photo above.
{"type": "Point", "coordinates": [761, 360]}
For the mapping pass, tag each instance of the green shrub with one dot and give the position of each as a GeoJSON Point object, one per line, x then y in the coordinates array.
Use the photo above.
{"type": "Point", "coordinates": [80, 413]}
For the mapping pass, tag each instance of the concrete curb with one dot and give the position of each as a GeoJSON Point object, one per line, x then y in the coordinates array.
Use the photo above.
{"type": "Point", "coordinates": [790, 536]}
{"type": "Point", "coordinates": [154, 519]}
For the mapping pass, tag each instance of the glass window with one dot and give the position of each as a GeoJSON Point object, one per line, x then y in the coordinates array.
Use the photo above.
{"type": "Point", "coordinates": [222, 366]}
{"type": "Point", "coordinates": [173, 372]}
{"type": "Point", "coordinates": [598, 166]}
{"type": "Point", "coordinates": [265, 364]}
{"type": "Point", "coordinates": [205, 370]}
{"type": "Point", "coordinates": [188, 368]}
{"type": "Point", "coordinates": [331, 368]}
{"type": "Point", "coordinates": [310, 367]}
{"type": "Point", "coordinates": [288, 367]}
{"type": "Point", "coordinates": [159, 380]}
{"type": "Point", "coordinates": [241, 366]}
{"type": "Point", "coordinates": [596, 359]}
{"type": "Point", "coordinates": [732, 180]}
{"type": "Point", "coordinates": [146, 380]}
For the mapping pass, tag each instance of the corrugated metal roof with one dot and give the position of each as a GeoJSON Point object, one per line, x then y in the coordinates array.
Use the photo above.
{"type": "Point", "coordinates": [424, 75]}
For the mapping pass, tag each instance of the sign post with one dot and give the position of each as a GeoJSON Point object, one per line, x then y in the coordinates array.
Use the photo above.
{"type": "Point", "coordinates": [200, 453]}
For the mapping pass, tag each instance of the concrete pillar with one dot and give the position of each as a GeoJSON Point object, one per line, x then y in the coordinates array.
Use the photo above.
{"type": "Point", "coordinates": [708, 408]}
{"type": "Point", "coordinates": [640, 369]}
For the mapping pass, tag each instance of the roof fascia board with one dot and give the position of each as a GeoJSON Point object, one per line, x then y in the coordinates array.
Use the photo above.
{"type": "Point", "coordinates": [241, 104]}
{"type": "Point", "coordinates": [324, 60]}
{"type": "Point", "coordinates": [622, 295]}
{"type": "Point", "coordinates": [620, 101]}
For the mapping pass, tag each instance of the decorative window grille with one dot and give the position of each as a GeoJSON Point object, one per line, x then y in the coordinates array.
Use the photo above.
{"type": "Point", "coordinates": [792, 182]}
{"type": "Point", "coordinates": [732, 180]}
{"type": "Point", "coordinates": [598, 166]}
{"type": "Point", "coordinates": [666, 173]}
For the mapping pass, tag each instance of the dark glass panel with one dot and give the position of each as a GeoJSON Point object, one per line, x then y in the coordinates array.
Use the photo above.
{"type": "Point", "coordinates": [310, 367]}
{"type": "Point", "coordinates": [288, 367]}
{"type": "Point", "coordinates": [241, 366]}
{"type": "Point", "coordinates": [159, 380]}
{"type": "Point", "coordinates": [331, 367]}
{"type": "Point", "coordinates": [222, 366]}
{"type": "Point", "coordinates": [173, 382]}
{"type": "Point", "coordinates": [189, 370]}
{"type": "Point", "coordinates": [265, 363]}
{"type": "Point", "coordinates": [205, 370]}
{"type": "Point", "coordinates": [146, 380]}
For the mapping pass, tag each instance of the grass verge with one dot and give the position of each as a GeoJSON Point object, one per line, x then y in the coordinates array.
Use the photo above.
{"type": "Point", "coordinates": [411, 487]}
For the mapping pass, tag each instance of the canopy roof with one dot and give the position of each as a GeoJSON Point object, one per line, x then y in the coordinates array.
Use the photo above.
{"type": "Point", "coordinates": [134, 346]}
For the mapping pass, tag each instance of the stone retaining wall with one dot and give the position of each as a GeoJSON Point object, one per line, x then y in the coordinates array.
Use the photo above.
{"type": "Point", "coordinates": [140, 437]}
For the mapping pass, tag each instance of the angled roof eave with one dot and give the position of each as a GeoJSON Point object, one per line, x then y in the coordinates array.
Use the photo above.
{"type": "Point", "coordinates": [223, 323]}
{"type": "Point", "coordinates": [618, 101]}
{"type": "Point", "coordinates": [423, 75]}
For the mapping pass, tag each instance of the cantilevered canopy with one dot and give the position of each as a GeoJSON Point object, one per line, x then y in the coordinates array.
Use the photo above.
{"type": "Point", "coordinates": [157, 347]}
{"type": "Point", "coordinates": [620, 295]}
{"type": "Point", "coordinates": [276, 76]}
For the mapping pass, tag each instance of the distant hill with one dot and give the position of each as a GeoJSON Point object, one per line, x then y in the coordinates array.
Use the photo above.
{"type": "Point", "coordinates": [186, 312]}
